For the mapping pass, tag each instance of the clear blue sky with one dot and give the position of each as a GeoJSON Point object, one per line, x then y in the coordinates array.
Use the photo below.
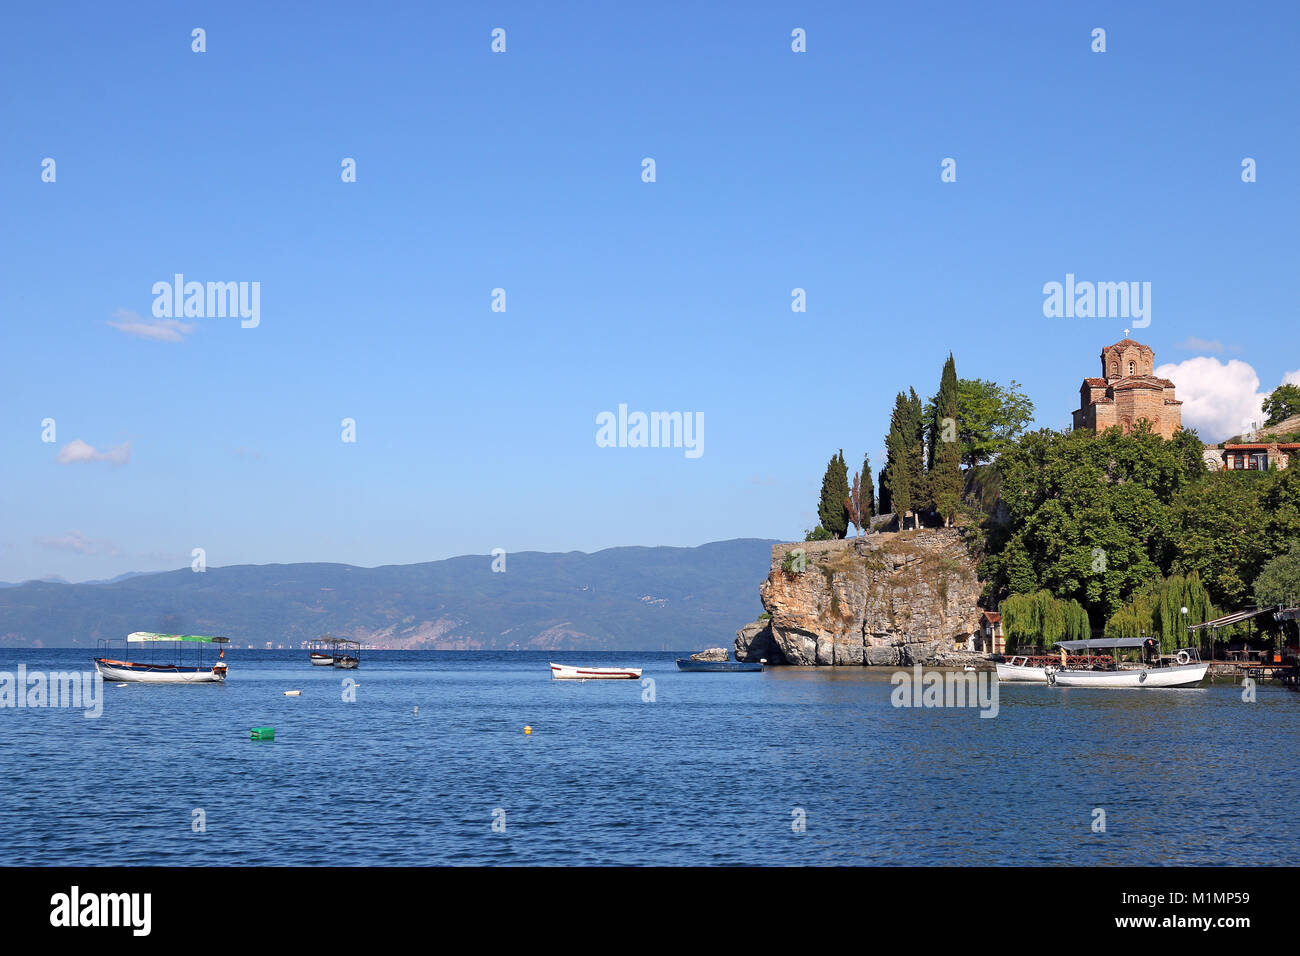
{"type": "Point", "coordinates": [522, 170]}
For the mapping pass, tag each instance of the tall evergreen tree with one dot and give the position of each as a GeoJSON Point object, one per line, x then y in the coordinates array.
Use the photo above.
{"type": "Point", "coordinates": [945, 450]}
{"type": "Point", "coordinates": [884, 504]}
{"type": "Point", "coordinates": [920, 486]}
{"type": "Point", "coordinates": [868, 491]}
{"type": "Point", "coordinates": [901, 464]}
{"type": "Point", "coordinates": [832, 510]}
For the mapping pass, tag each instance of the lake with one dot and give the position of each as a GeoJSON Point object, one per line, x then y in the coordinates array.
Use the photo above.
{"type": "Point", "coordinates": [789, 767]}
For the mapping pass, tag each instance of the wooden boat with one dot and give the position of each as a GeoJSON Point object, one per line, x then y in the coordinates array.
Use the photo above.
{"type": "Point", "coordinates": [335, 652]}
{"type": "Point", "coordinates": [168, 672]}
{"type": "Point", "coordinates": [1018, 669]}
{"type": "Point", "coordinates": [1188, 670]}
{"type": "Point", "coordinates": [686, 664]}
{"type": "Point", "coordinates": [567, 672]}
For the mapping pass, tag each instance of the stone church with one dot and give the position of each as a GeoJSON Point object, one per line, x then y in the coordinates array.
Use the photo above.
{"type": "Point", "coordinates": [1127, 392]}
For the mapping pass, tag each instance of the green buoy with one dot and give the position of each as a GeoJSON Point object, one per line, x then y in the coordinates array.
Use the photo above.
{"type": "Point", "coordinates": [262, 733]}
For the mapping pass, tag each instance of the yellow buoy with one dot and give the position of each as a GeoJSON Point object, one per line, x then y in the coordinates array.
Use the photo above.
{"type": "Point", "coordinates": [528, 730]}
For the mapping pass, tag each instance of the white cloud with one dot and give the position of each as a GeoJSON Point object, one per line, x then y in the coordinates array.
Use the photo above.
{"type": "Point", "coordinates": [1195, 344]}
{"type": "Point", "coordinates": [77, 451]}
{"type": "Point", "coordinates": [1291, 378]}
{"type": "Point", "coordinates": [78, 542]}
{"type": "Point", "coordinates": [159, 330]}
{"type": "Point", "coordinates": [1220, 399]}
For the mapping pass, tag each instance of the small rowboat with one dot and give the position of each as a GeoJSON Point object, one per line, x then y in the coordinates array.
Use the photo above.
{"type": "Point", "coordinates": [321, 660]}
{"type": "Point", "coordinates": [566, 672]}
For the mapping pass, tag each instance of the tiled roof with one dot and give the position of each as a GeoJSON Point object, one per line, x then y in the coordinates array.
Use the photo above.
{"type": "Point", "coordinates": [1095, 382]}
{"type": "Point", "coordinates": [1141, 381]}
{"type": "Point", "coordinates": [1125, 343]}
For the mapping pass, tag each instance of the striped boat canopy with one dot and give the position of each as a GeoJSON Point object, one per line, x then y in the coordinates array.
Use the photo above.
{"type": "Point", "coordinates": [147, 637]}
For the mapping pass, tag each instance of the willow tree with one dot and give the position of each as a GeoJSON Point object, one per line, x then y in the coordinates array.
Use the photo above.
{"type": "Point", "coordinates": [1041, 618]}
{"type": "Point", "coordinates": [1158, 612]}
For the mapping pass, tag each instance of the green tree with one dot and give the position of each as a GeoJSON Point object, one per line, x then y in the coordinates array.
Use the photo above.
{"type": "Point", "coordinates": [1279, 581]}
{"type": "Point", "coordinates": [990, 417]}
{"type": "Point", "coordinates": [868, 490]}
{"type": "Point", "coordinates": [1282, 403]}
{"type": "Point", "coordinates": [899, 479]}
{"type": "Point", "coordinates": [945, 480]}
{"type": "Point", "coordinates": [884, 503]}
{"type": "Point", "coordinates": [1038, 618]}
{"type": "Point", "coordinates": [1219, 531]}
{"type": "Point", "coordinates": [1157, 611]}
{"type": "Point", "coordinates": [832, 508]}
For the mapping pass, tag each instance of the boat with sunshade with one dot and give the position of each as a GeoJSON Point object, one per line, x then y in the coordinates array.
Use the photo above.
{"type": "Point", "coordinates": [566, 672]}
{"type": "Point", "coordinates": [155, 671]}
{"type": "Point", "coordinates": [1151, 669]}
{"type": "Point", "coordinates": [335, 652]}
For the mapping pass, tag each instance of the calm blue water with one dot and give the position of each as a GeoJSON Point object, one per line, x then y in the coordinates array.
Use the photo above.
{"type": "Point", "coordinates": [708, 773]}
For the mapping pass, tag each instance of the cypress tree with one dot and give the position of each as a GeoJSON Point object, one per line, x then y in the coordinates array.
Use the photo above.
{"type": "Point", "coordinates": [868, 491]}
{"type": "Point", "coordinates": [831, 509]}
{"type": "Point", "coordinates": [884, 504]}
{"type": "Point", "coordinates": [901, 463]}
{"type": "Point", "coordinates": [945, 450]}
{"type": "Point", "coordinates": [920, 485]}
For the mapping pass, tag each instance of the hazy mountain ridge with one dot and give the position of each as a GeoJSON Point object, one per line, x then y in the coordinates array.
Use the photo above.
{"type": "Point", "coordinates": [631, 598]}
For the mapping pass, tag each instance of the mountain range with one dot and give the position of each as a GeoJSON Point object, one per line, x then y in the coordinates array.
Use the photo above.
{"type": "Point", "coordinates": [631, 598]}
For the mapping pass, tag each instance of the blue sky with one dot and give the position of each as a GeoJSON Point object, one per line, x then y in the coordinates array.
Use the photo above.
{"type": "Point", "coordinates": [775, 170]}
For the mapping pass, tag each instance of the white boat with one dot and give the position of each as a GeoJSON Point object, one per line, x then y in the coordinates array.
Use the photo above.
{"type": "Point", "coordinates": [567, 672]}
{"type": "Point", "coordinates": [1018, 669]}
{"type": "Point", "coordinates": [154, 672]}
{"type": "Point", "coordinates": [1188, 675]}
{"type": "Point", "coordinates": [1188, 670]}
{"type": "Point", "coordinates": [321, 660]}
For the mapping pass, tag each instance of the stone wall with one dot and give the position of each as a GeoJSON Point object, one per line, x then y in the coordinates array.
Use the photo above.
{"type": "Point", "coordinates": [888, 598]}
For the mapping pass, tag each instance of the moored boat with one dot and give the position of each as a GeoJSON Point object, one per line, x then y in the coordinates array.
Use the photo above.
{"type": "Point", "coordinates": [320, 660]}
{"type": "Point", "coordinates": [165, 672]}
{"type": "Point", "coordinates": [568, 672]}
{"type": "Point", "coordinates": [686, 664]}
{"type": "Point", "coordinates": [1018, 669]}
{"type": "Point", "coordinates": [1150, 670]}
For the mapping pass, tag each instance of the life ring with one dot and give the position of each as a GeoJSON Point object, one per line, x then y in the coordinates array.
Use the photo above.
{"type": "Point", "coordinates": [1142, 677]}
{"type": "Point", "coordinates": [1183, 657]}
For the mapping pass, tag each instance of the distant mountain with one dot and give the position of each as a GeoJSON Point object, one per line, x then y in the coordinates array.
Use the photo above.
{"type": "Point", "coordinates": [618, 599]}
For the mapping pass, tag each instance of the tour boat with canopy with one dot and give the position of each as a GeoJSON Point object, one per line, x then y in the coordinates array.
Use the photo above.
{"type": "Point", "coordinates": [1152, 669]}
{"type": "Point", "coordinates": [174, 671]}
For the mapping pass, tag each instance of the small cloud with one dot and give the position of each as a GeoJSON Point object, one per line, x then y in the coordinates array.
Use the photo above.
{"type": "Point", "coordinates": [77, 451]}
{"type": "Point", "coordinates": [766, 481]}
{"type": "Point", "coordinates": [1291, 378]}
{"type": "Point", "coordinates": [1195, 344]}
{"type": "Point", "coordinates": [242, 452]}
{"type": "Point", "coordinates": [159, 330]}
{"type": "Point", "coordinates": [78, 542]}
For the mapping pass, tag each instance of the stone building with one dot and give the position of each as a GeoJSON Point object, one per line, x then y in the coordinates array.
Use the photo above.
{"type": "Point", "coordinates": [1128, 392]}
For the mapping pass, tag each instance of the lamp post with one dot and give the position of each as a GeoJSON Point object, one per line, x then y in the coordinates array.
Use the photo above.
{"type": "Point", "coordinates": [1184, 610]}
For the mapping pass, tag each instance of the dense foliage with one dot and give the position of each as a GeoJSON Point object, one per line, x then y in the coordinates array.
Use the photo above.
{"type": "Point", "coordinates": [1103, 518]}
{"type": "Point", "coordinates": [1279, 581]}
{"type": "Point", "coordinates": [1282, 403]}
{"type": "Point", "coordinates": [1157, 611]}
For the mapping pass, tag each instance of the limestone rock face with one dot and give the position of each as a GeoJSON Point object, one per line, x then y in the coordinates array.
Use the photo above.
{"type": "Point", "coordinates": [899, 598]}
{"type": "Point", "coordinates": [712, 654]}
{"type": "Point", "coordinates": [754, 642]}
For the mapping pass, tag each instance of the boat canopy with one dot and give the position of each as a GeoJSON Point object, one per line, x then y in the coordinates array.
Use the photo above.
{"type": "Point", "coordinates": [1104, 642]}
{"type": "Point", "coordinates": [147, 637]}
{"type": "Point", "coordinates": [1234, 618]}
{"type": "Point", "coordinates": [336, 641]}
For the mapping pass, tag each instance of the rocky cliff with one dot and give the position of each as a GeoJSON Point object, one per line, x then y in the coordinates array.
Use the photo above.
{"type": "Point", "coordinates": [890, 598]}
